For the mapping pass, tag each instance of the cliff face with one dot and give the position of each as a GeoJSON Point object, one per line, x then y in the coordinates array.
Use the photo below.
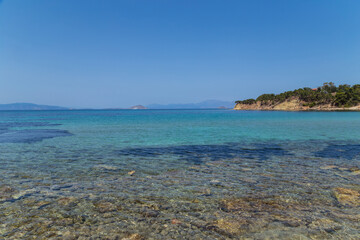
{"type": "Point", "coordinates": [289, 105]}
{"type": "Point", "coordinates": [292, 105]}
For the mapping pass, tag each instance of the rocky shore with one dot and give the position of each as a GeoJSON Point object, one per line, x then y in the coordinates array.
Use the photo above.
{"type": "Point", "coordinates": [291, 105]}
{"type": "Point", "coordinates": [328, 97]}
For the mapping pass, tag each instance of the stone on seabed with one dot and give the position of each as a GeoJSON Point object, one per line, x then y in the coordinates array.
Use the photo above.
{"type": "Point", "coordinates": [105, 167]}
{"type": "Point", "coordinates": [230, 226]}
{"type": "Point", "coordinates": [6, 192]}
{"type": "Point", "coordinates": [175, 221]}
{"type": "Point", "coordinates": [104, 207]}
{"type": "Point", "coordinates": [347, 196]}
{"type": "Point", "coordinates": [355, 171]}
{"type": "Point", "coordinates": [134, 236]}
{"type": "Point", "coordinates": [328, 167]}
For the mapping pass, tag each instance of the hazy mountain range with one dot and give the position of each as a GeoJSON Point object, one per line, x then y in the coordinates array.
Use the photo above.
{"type": "Point", "coordinates": [203, 104]}
{"type": "Point", "coordinates": [29, 106]}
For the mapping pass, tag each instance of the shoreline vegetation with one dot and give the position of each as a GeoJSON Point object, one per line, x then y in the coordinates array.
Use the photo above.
{"type": "Point", "coordinates": [328, 97]}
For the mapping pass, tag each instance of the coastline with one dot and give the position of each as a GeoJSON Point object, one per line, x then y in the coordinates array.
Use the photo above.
{"type": "Point", "coordinates": [293, 105]}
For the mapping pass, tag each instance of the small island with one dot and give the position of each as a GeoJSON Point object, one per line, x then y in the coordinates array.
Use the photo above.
{"type": "Point", "coordinates": [138, 107]}
{"type": "Point", "coordinates": [328, 97]}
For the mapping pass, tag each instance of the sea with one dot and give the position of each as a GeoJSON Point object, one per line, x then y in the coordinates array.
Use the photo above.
{"type": "Point", "coordinates": [179, 174]}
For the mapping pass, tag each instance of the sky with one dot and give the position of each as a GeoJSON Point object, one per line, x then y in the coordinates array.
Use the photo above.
{"type": "Point", "coordinates": [119, 53]}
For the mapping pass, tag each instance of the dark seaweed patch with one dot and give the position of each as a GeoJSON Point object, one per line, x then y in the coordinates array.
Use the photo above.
{"type": "Point", "coordinates": [349, 151]}
{"type": "Point", "coordinates": [31, 135]}
{"type": "Point", "coordinates": [198, 153]}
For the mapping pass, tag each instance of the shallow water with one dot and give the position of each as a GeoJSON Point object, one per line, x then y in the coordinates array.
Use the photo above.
{"type": "Point", "coordinates": [199, 174]}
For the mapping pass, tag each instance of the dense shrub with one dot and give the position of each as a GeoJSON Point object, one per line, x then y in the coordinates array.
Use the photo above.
{"type": "Point", "coordinates": [247, 101]}
{"type": "Point", "coordinates": [341, 96]}
{"type": "Point", "coordinates": [347, 96]}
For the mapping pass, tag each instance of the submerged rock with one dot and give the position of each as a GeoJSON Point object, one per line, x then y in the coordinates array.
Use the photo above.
{"type": "Point", "coordinates": [328, 167]}
{"type": "Point", "coordinates": [134, 236]}
{"type": "Point", "coordinates": [246, 169]}
{"type": "Point", "coordinates": [6, 189]}
{"type": "Point", "coordinates": [59, 187]}
{"type": "Point", "coordinates": [24, 193]}
{"type": "Point", "coordinates": [147, 212]}
{"type": "Point", "coordinates": [230, 226]}
{"type": "Point", "coordinates": [248, 180]}
{"type": "Point", "coordinates": [252, 204]}
{"type": "Point", "coordinates": [104, 207]}
{"type": "Point", "coordinates": [175, 221]}
{"type": "Point", "coordinates": [206, 192]}
{"type": "Point", "coordinates": [66, 200]}
{"type": "Point", "coordinates": [252, 214]}
{"type": "Point", "coordinates": [6, 192]}
{"type": "Point", "coordinates": [216, 182]}
{"type": "Point", "coordinates": [105, 167]}
{"type": "Point", "coordinates": [42, 204]}
{"type": "Point", "coordinates": [355, 171]}
{"type": "Point", "coordinates": [325, 224]}
{"type": "Point", "coordinates": [347, 197]}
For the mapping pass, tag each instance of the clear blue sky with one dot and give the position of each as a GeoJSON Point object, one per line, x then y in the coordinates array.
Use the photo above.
{"type": "Point", "coordinates": [84, 53]}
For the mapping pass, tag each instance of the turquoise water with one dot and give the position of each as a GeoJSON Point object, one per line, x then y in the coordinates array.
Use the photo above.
{"type": "Point", "coordinates": [199, 174]}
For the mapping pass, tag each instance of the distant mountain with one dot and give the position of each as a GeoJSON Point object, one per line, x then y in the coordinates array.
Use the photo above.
{"type": "Point", "coordinates": [204, 104]}
{"type": "Point", "coordinates": [29, 106]}
{"type": "Point", "coordinates": [138, 107]}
